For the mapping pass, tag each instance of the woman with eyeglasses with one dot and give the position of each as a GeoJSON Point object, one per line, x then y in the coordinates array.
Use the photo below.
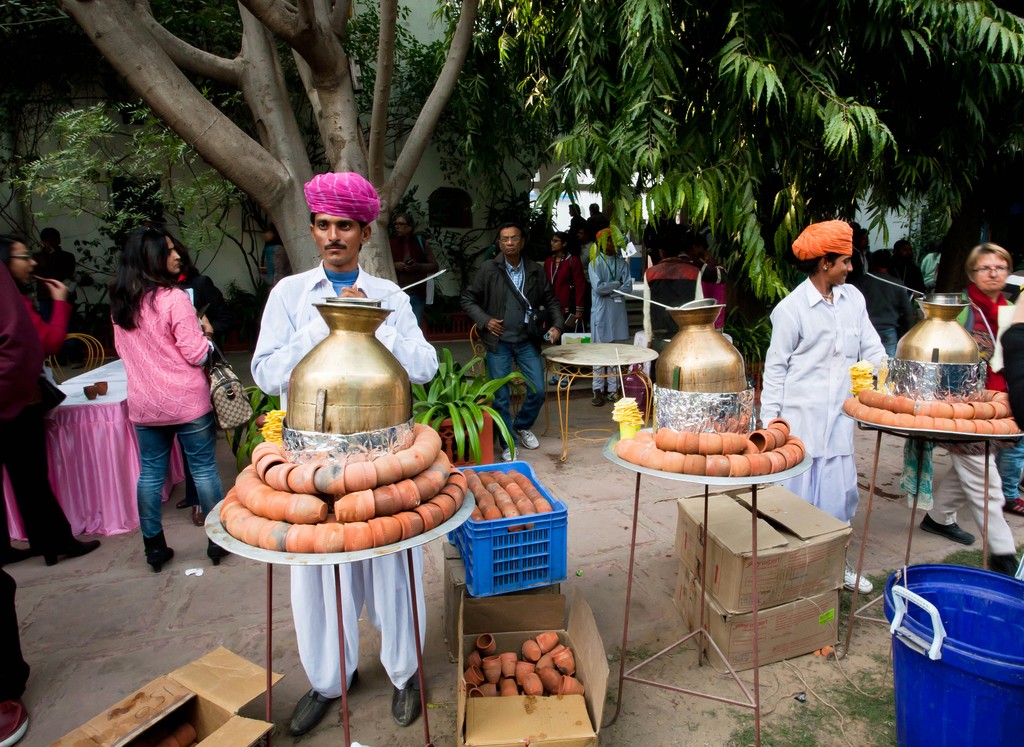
{"type": "Point", "coordinates": [413, 261]}
{"type": "Point", "coordinates": [164, 348]}
{"type": "Point", "coordinates": [46, 526]}
{"type": "Point", "coordinates": [987, 268]}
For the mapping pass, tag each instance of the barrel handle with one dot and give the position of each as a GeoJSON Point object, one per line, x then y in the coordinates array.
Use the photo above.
{"type": "Point", "coordinates": [901, 593]}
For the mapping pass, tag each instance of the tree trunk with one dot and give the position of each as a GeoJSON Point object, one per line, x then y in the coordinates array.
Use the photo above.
{"type": "Point", "coordinates": [273, 170]}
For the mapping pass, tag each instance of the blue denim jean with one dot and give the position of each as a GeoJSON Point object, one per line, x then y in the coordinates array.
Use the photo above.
{"type": "Point", "coordinates": [419, 308]}
{"type": "Point", "coordinates": [500, 364]}
{"type": "Point", "coordinates": [889, 339]}
{"type": "Point", "coordinates": [1010, 462]}
{"type": "Point", "coordinates": [198, 439]}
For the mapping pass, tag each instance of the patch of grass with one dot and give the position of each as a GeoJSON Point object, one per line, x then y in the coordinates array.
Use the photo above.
{"type": "Point", "coordinates": [969, 558]}
{"type": "Point", "coordinates": [869, 719]}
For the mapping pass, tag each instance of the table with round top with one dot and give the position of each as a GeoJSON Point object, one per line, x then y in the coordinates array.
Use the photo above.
{"type": "Point", "coordinates": [219, 535]}
{"type": "Point", "coordinates": [753, 699]}
{"type": "Point", "coordinates": [919, 436]}
{"type": "Point", "coordinates": [571, 362]}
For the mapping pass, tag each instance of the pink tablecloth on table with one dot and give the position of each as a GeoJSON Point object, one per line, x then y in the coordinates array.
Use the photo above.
{"type": "Point", "coordinates": [94, 466]}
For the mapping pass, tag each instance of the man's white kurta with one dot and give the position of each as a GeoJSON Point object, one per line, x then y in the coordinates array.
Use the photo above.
{"type": "Point", "coordinates": [807, 379]}
{"type": "Point", "coordinates": [291, 327]}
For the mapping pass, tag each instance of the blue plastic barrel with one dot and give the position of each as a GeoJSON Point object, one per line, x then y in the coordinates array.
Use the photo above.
{"type": "Point", "coordinates": [958, 656]}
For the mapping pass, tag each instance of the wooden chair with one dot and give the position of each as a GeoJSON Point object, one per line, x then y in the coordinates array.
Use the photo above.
{"type": "Point", "coordinates": [94, 353]}
{"type": "Point", "coordinates": [53, 365]}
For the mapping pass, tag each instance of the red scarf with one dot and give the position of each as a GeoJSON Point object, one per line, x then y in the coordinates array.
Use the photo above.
{"type": "Point", "coordinates": [983, 334]}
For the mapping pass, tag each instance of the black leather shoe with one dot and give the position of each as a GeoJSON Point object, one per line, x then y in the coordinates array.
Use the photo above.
{"type": "Point", "coordinates": [73, 549]}
{"type": "Point", "coordinates": [311, 709]}
{"type": "Point", "coordinates": [405, 703]}
{"type": "Point", "coordinates": [183, 503]}
{"type": "Point", "coordinates": [949, 531]}
{"type": "Point", "coordinates": [1006, 564]}
{"type": "Point", "coordinates": [14, 555]}
{"type": "Point", "coordinates": [214, 551]}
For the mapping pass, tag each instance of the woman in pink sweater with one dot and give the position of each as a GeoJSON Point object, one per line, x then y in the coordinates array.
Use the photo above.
{"type": "Point", "coordinates": [164, 348]}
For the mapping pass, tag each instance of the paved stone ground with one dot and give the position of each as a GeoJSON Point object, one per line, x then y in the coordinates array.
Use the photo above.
{"type": "Point", "coordinates": [96, 628]}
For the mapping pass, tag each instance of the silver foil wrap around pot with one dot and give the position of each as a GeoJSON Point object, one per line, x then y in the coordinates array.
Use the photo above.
{"type": "Point", "coordinates": [341, 448]}
{"type": "Point", "coordinates": [723, 412]}
{"type": "Point", "coordinates": [933, 381]}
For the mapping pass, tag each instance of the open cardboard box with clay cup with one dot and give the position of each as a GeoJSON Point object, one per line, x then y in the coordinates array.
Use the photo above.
{"type": "Point", "coordinates": [562, 721]}
{"type": "Point", "coordinates": [207, 693]}
{"type": "Point", "coordinates": [801, 550]}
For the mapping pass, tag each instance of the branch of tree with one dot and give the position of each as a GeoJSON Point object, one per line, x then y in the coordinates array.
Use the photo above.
{"type": "Point", "coordinates": [426, 123]}
{"type": "Point", "coordinates": [187, 56]}
{"type": "Point", "coordinates": [283, 19]}
{"type": "Point", "coordinates": [339, 19]}
{"type": "Point", "coordinates": [382, 89]}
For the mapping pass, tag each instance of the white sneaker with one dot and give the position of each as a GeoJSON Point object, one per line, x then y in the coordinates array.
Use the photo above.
{"type": "Point", "coordinates": [506, 455]}
{"type": "Point", "coordinates": [527, 439]}
{"type": "Point", "coordinates": [850, 578]}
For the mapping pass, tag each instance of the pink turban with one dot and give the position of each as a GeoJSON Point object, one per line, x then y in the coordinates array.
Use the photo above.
{"type": "Point", "coordinates": [344, 195]}
{"type": "Point", "coordinates": [818, 239]}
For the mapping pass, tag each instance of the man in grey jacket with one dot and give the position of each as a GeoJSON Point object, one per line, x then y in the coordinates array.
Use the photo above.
{"type": "Point", "coordinates": [505, 299]}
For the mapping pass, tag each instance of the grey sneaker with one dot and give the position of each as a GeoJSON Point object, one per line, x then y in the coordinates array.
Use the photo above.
{"type": "Point", "coordinates": [527, 439]}
{"type": "Point", "coordinates": [506, 455]}
{"type": "Point", "coordinates": [850, 580]}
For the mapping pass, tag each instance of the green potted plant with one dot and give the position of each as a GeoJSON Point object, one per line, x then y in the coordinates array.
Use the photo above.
{"type": "Point", "coordinates": [245, 437]}
{"type": "Point", "coordinates": [459, 399]}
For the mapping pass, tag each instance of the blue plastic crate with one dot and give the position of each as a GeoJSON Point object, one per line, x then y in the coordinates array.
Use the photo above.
{"type": "Point", "coordinates": [499, 560]}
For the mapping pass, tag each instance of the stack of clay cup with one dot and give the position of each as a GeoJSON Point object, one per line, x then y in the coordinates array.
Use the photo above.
{"type": "Point", "coordinates": [988, 414]}
{"type": "Point", "coordinates": [543, 667]}
{"type": "Point", "coordinates": [503, 495]}
{"type": "Point", "coordinates": [763, 452]}
{"type": "Point", "coordinates": [329, 508]}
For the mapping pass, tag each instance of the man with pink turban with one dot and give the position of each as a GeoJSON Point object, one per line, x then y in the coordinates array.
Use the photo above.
{"type": "Point", "coordinates": [342, 208]}
{"type": "Point", "coordinates": [818, 331]}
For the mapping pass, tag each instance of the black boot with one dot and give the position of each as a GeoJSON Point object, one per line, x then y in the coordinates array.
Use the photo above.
{"type": "Point", "coordinates": [73, 548]}
{"type": "Point", "coordinates": [215, 552]}
{"type": "Point", "coordinates": [1003, 563]}
{"type": "Point", "coordinates": [157, 551]}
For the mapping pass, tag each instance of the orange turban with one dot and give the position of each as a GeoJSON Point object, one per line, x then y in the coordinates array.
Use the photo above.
{"type": "Point", "coordinates": [819, 239]}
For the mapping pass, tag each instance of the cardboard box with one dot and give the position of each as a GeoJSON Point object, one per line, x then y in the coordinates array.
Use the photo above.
{"type": "Point", "coordinates": [455, 588]}
{"type": "Point", "coordinates": [801, 550]}
{"type": "Point", "coordinates": [784, 631]}
{"type": "Point", "coordinates": [206, 693]}
{"type": "Point", "coordinates": [567, 721]}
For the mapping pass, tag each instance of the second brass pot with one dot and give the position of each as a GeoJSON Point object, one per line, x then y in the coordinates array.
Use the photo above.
{"type": "Point", "coordinates": [705, 360]}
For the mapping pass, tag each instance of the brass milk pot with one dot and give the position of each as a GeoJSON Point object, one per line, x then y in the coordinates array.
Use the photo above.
{"type": "Point", "coordinates": [939, 337]}
{"type": "Point", "coordinates": [698, 358]}
{"type": "Point", "coordinates": [349, 383]}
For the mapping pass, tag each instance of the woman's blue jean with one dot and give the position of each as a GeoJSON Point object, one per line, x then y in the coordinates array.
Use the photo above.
{"type": "Point", "coordinates": [198, 439]}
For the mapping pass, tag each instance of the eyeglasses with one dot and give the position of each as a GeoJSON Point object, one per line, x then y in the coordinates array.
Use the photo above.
{"type": "Point", "coordinates": [20, 256]}
{"type": "Point", "coordinates": [509, 239]}
{"type": "Point", "coordinates": [399, 224]}
{"type": "Point", "coordinates": [992, 270]}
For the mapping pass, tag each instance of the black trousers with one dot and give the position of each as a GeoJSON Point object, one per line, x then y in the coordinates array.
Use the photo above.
{"type": "Point", "coordinates": [13, 669]}
{"type": "Point", "coordinates": [23, 454]}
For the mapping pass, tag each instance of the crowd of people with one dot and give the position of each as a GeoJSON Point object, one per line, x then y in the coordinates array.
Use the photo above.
{"type": "Point", "coordinates": [166, 316]}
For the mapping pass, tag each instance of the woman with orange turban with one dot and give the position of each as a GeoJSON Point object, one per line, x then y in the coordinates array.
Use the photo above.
{"type": "Point", "coordinates": [819, 331]}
